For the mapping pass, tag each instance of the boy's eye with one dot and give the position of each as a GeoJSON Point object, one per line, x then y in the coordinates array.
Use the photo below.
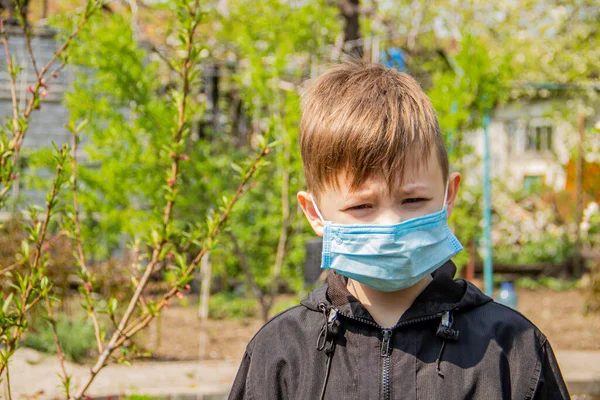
{"type": "Point", "coordinates": [360, 207]}
{"type": "Point", "coordinates": [413, 200]}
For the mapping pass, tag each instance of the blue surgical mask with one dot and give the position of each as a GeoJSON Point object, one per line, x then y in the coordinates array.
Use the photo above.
{"type": "Point", "coordinates": [393, 257]}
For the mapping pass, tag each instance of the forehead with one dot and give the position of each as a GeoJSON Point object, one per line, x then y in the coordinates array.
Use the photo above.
{"type": "Point", "coordinates": [417, 173]}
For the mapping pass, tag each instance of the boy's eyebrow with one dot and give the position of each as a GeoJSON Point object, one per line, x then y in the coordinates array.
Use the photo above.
{"type": "Point", "coordinates": [360, 193]}
{"type": "Point", "coordinates": [406, 189]}
{"type": "Point", "coordinates": [412, 187]}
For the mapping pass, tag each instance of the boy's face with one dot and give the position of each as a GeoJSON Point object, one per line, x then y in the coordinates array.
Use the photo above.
{"type": "Point", "coordinates": [421, 192]}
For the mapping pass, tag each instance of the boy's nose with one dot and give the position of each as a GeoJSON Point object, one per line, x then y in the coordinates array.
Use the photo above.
{"type": "Point", "coordinates": [388, 217]}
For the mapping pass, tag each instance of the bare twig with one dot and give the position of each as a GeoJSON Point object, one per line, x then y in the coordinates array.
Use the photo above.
{"type": "Point", "coordinates": [118, 336]}
{"type": "Point", "coordinates": [143, 321]}
{"type": "Point", "coordinates": [8, 394]}
{"type": "Point", "coordinates": [33, 303]}
{"type": "Point", "coordinates": [243, 259]}
{"type": "Point", "coordinates": [10, 161]}
{"type": "Point", "coordinates": [242, 188]}
{"type": "Point", "coordinates": [165, 60]}
{"type": "Point", "coordinates": [81, 254]}
{"type": "Point", "coordinates": [27, 305]}
{"type": "Point", "coordinates": [10, 267]}
{"type": "Point", "coordinates": [26, 33]}
{"type": "Point", "coordinates": [47, 216]}
{"type": "Point", "coordinates": [42, 235]}
{"type": "Point", "coordinates": [11, 73]}
{"type": "Point", "coordinates": [20, 133]}
{"type": "Point", "coordinates": [80, 251]}
{"type": "Point", "coordinates": [61, 357]}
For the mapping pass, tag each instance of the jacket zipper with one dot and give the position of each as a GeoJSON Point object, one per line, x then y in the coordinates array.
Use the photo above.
{"type": "Point", "coordinates": [386, 345]}
{"type": "Point", "coordinates": [386, 351]}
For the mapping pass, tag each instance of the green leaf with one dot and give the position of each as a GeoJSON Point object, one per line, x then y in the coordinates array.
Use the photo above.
{"type": "Point", "coordinates": [7, 303]}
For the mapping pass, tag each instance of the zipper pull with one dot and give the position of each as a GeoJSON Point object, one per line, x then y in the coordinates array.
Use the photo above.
{"type": "Point", "coordinates": [445, 330]}
{"type": "Point", "coordinates": [386, 343]}
{"type": "Point", "coordinates": [333, 325]}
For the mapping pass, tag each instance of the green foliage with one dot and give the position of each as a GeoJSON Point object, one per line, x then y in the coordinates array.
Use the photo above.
{"type": "Point", "coordinates": [285, 304]}
{"type": "Point", "coordinates": [140, 397]}
{"type": "Point", "coordinates": [273, 42]}
{"type": "Point", "coordinates": [76, 337]}
{"type": "Point", "coordinates": [529, 231]}
{"type": "Point", "coordinates": [473, 82]}
{"type": "Point", "coordinates": [230, 306]}
{"type": "Point", "coordinates": [136, 120]}
{"type": "Point", "coordinates": [477, 81]}
{"type": "Point", "coordinates": [590, 226]}
{"type": "Point", "coordinates": [128, 126]}
{"type": "Point", "coordinates": [546, 282]}
{"type": "Point", "coordinates": [547, 248]}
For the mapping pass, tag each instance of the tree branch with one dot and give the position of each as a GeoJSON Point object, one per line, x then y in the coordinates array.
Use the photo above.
{"type": "Point", "coordinates": [10, 267]}
{"type": "Point", "coordinates": [145, 320]}
{"type": "Point", "coordinates": [91, 8]}
{"type": "Point", "coordinates": [26, 33]}
{"type": "Point", "coordinates": [11, 73]}
{"type": "Point", "coordinates": [61, 358]}
{"type": "Point", "coordinates": [25, 304]}
{"type": "Point", "coordinates": [171, 181]}
{"type": "Point", "coordinates": [165, 60]}
{"type": "Point", "coordinates": [246, 269]}
{"type": "Point", "coordinates": [81, 255]}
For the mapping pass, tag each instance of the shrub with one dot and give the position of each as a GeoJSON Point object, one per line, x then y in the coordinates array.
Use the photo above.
{"type": "Point", "coordinates": [231, 306]}
{"type": "Point", "coordinates": [61, 267]}
{"type": "Point", "coordinates": [547, 282]}
{"type": "Point", "coordinates": [76, 337]}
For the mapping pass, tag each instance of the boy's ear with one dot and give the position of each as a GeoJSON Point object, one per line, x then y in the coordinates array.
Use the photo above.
{"type": "Point", "coordinates": [453, 183]}
{"type": "Point", "coordinates": [305, 201]}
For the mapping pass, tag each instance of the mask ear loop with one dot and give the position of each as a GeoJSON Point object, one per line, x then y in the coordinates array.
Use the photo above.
{"type": "Point", "coordinates": [445, 207]}
{"type": "Point", "coordinates": [317, 208]}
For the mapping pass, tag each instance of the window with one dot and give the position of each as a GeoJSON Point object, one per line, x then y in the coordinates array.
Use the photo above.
{"type": "Point", "coordinates": [539, 137]}
{"type": "Point", "coordinates": [532, 184]}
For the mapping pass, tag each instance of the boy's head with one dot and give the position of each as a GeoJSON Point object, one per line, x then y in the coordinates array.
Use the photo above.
{"type": "Point", "coordinates": [371, 147]}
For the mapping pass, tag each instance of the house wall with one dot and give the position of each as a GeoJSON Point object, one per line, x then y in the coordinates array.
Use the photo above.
{"type": "Point", "coordinates": [514, 159]}
{"type": "Point", "coordinates": [46, 125]}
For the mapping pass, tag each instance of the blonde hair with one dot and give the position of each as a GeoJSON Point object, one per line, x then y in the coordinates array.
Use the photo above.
{"type": "Point", "coordinates": [362, 120]}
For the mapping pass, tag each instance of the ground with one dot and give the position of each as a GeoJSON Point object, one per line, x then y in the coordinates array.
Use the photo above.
{"type": "Point", "coordinates": [559, 315]}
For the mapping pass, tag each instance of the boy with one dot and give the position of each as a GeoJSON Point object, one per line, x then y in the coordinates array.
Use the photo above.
{"type": "Point", "coordinates": [391, 322]}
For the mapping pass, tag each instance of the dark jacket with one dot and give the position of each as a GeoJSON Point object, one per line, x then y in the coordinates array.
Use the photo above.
{"type": "Point", "coordinates": [454, 342]}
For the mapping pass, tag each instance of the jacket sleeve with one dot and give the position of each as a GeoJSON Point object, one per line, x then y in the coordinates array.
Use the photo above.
{"type": "Point", "coordinates": [239, 388]}
{"type": "Point", "coordinates": [551, 385]}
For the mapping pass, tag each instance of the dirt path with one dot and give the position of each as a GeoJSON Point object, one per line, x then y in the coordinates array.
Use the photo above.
{"type": "Point", "coordinates": [559, 315]}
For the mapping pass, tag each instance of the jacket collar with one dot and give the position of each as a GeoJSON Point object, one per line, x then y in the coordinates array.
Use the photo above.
{"type": "Point", "coordinates": [443, 293]}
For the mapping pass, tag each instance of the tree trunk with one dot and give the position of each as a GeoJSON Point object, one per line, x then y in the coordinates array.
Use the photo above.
{"type": "Point", "coordinates": [350, 11]}
{"type": "Point", "coordinates": [578, 261]}
{"type": "Point", "coordinates": [205, 272]}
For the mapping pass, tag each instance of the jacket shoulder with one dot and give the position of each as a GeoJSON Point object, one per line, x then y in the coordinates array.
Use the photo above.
{"type": "Point", "coordinates": [293, 325]}
{"type": "Point", "coordinates": [509, 326]}
{"type": "Point", "coordinates": [495, 320]}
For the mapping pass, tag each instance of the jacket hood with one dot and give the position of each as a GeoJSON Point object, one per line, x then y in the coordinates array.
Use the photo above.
{"type": "Point", "coordinates": [443, 293]}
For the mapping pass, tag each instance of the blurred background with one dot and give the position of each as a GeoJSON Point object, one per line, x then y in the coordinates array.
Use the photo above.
{"type": "Point", "coordinates": [516, 87]}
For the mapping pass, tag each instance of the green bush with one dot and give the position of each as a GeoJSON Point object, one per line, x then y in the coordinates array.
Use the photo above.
{"type": "Point", "coordinates": [546, 282]}
{"type": "Point", "coordinates": [76, 337]}
{"type": "Point", "coordinates": [231, 306]}
{"type": "Point", "coordinates": [140, 397]}
{"type": "Point", "coordinates": [283, 305]}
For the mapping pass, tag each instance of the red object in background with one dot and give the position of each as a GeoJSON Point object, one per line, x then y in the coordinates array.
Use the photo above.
{"type": "Point", "coordinates": [591, 180]}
